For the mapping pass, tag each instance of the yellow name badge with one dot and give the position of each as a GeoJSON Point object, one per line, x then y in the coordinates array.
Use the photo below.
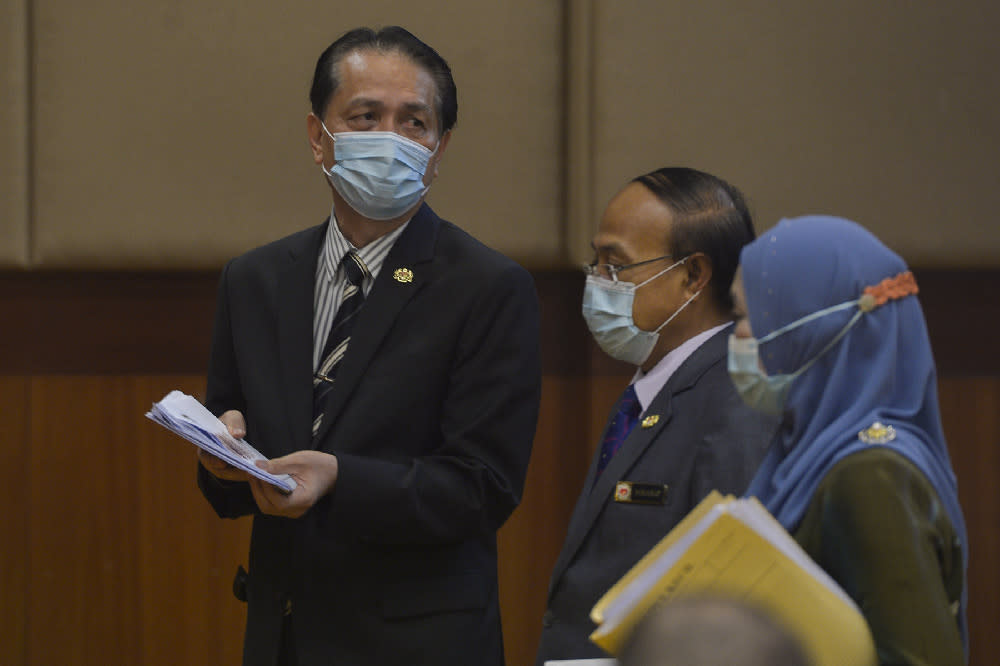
{"type": "Point", "coordinates": [640, 493]}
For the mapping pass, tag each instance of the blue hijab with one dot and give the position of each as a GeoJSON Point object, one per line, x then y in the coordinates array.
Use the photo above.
{"type": "Point", "coordinates": [881, 370]}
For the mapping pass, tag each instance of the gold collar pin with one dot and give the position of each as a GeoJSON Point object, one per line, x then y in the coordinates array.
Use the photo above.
{"type": "Point", "coordinates": [877, 433]}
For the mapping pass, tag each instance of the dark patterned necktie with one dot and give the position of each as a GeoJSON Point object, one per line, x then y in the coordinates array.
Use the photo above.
{"type": "Point", "coordinates": [627, 413]}
{"type": "Point", "coordinates": [340, 333]}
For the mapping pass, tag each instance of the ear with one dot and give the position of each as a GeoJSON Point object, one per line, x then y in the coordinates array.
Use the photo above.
{"type": "Point", "coordinates": [699, 268]}
{"type": "Point", "coordinates": [432, 166]}
{"type": "Point", "coordinates": [317, 138]}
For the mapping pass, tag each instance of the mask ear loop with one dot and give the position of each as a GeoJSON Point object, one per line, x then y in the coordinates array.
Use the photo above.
{"type": "Point", "coordinates": [327, 172]}
{"type": "Point", "coordinates": [671, 317]}
{"type": "Point", "coordinates": [896, 287]}
{"type": "Point", "coordinates": [438, 145]}
{"type": "Point", "coordinates": [429, 159]}
{"type": "Point", "coordinates": [664, 271]}
{"type": "Point", "coordinates": [328, 133]}
{"type": "Point", "coordinates": [808, 318]}
{"type": "Point", "coordinates": [853, 320]}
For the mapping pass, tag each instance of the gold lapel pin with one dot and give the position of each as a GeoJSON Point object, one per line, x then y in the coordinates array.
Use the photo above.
{"type": "Point", "coordinates": [877, 433]}
{"type": "Point", "coordinates": [403, 275]}
{"type": "Point", "coordinates": [650, 420]}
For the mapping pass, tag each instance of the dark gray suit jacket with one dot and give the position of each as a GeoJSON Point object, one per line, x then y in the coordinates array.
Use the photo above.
{"type": "Point", "coordinates": [705, 438]}
{"type": "Point", "coordinates": [431, 417]}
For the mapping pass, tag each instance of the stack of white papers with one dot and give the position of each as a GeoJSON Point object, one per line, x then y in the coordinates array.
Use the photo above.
{"type": "Point", "coordinates": [184, 415]}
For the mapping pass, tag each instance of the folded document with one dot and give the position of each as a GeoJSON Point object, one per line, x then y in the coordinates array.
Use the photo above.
{"type": "Point", "coordinates": [734, 547]}
{"type": "Point", "coordinates": [184, 415]}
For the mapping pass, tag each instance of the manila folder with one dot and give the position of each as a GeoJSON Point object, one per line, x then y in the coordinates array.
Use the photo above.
{"type": "Point", "coordinates": [734, 547]}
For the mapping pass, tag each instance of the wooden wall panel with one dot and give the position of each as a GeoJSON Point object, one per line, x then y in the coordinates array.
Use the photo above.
{"type": "Point", "coordinates": [970, 411]}
{"type": "Point", "coordinates": [116, 544]}
{"type": "Point", "coordinates": [189, 555]}
{"type": "Point", "coordinates": [106, 323]}
{"type": "Point", "coordinates": [532, 538]}
{"type": "Point", "coordinates": [15, 484]}
{"type": "Point", "coordinates": [530, 541]}
{"type": "Point", "coordinates": [126, 557]}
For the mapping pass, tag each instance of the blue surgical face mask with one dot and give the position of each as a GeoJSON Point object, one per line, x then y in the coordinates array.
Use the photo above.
{"type": "Point", "coordinates": [379, 174]}
{"type": "Point", "coordinates": [767, 393]}
{"type": "Point", "coordinates": [607, 308]}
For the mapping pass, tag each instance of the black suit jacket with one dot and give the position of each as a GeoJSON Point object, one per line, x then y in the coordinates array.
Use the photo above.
{"type": "Point", "coordinates": [431, 417]}
{"type": "Point", "coordinates": [705, 438]}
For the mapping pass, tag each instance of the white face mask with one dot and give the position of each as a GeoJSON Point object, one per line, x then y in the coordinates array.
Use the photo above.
{"type": "Point", "coordinates": [607, 308]}
{"type": "Point", "coordinates": [767, 393]}
{"type": "Point", "coordinates": [379, 174]}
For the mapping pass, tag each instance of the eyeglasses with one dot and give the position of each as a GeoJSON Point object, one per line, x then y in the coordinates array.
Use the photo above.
{"type": "Point", "coordinates": [611, 271]}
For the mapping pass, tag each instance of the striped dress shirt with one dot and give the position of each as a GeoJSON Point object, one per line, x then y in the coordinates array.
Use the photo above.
{"type": "Point", "coordinates": [330, 282]}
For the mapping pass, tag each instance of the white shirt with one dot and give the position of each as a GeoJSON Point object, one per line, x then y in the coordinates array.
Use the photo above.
{"type": "Point", "coordinates": [649, 384]}
{"type": "Point", "coordinates": [330, 281]}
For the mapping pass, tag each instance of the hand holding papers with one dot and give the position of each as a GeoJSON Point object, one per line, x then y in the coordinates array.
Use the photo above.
{"type": "Point", "coordinates": [184, 415]}
{"type": "Point", "coordinates": [734, 547]}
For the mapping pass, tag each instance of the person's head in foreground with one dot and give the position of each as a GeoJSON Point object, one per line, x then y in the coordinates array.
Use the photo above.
{"type": "Point", "coordinates": [712, 631]}
{"type": "Point", "coordinates": [831, 337]}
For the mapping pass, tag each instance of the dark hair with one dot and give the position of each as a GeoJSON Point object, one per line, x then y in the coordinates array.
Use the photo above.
{"type": "Point", "coordinates": [710, 216]}
{"type": "Point", "coordinates": [392, 39]}
{"type": "Point", "coordinates": [711, 630]}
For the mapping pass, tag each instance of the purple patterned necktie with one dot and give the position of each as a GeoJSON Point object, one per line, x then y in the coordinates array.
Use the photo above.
{"type": "Point", "coordinates": [628, 410]}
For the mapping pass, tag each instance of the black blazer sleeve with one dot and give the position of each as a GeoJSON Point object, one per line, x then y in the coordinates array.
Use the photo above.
{"type": "Point", "coordinates": [229, 499]}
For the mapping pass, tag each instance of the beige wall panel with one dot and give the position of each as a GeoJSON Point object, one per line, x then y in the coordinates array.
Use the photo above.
{"type": "Point", "coordinates": [882, 112]}
{"type": "Point", "coordinates": [172, 134]}
{"type": "Point", "coordinates": [13, 133]}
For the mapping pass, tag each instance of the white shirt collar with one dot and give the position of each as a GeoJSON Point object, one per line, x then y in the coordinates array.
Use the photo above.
{"type": "Point", "coordinates": [336, 245]}
{"type": "Point", "coordinates": [649, 384]}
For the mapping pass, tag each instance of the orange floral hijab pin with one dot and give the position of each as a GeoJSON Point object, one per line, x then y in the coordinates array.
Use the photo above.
{"type": "Point", "coordinates": [889, 289]}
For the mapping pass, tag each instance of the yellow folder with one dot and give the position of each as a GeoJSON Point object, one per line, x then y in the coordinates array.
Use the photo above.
{"type": "Point", "coordinates": [734, 547]}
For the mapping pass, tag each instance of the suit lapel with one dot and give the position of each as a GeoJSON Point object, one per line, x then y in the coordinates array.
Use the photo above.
{"type": "Point", "coordinates": [296, 287]}
{"type": "Point", "coordinates": [414, 248]}
{"type": "Point", "coordinates": [595, 496]}
{"type": "Point", "coordinates": [632, 449]}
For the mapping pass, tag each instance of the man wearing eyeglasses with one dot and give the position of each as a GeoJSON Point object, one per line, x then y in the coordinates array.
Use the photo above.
{"type": "Point", "coordinates": [656, 297]}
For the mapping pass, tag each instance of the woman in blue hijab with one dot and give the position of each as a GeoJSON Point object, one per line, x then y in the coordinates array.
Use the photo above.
{"type": "Point", "coordinates": [831, 337]}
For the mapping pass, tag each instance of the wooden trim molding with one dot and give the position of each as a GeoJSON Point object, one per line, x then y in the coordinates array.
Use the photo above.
{"type": "Point", "coordinates": [78, 322]}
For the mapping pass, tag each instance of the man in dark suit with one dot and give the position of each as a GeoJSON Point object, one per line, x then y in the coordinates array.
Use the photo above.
{"type": "Point", "coordinates": [657, 297]}
{"type": "Point", "coordinates": [389, 363]}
